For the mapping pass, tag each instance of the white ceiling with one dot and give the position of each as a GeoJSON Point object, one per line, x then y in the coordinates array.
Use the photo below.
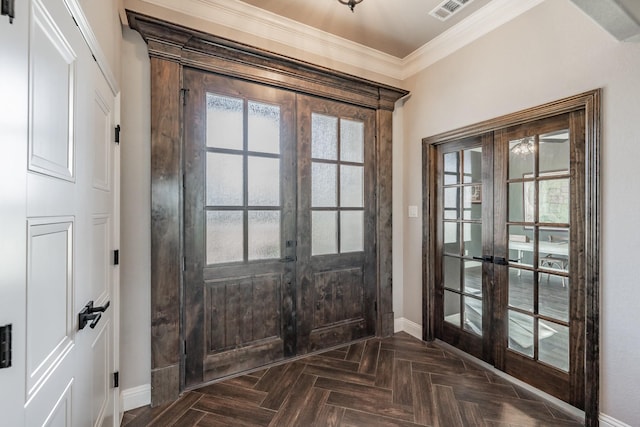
{"type": "Point", "coordinates": [395, 27]}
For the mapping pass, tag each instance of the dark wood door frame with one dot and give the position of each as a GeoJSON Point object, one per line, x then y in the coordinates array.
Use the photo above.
{"type": "Point", "coordinates": [590, 103]}
{"type": "Point", "coordinates": [171, 48]}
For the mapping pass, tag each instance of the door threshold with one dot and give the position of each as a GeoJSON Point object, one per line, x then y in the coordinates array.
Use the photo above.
{"type": "Point", "coordinates": [571, 410]}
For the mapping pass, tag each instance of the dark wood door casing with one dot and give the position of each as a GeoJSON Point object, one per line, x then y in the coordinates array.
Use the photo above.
{"type": "Point", "coordinates": [583, 112]}
{"type": "Point", "coordinates": [173, 47]}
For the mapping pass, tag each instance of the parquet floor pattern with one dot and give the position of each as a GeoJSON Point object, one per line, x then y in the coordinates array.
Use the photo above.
{"type": "Point", "coordinates": [392, 382]}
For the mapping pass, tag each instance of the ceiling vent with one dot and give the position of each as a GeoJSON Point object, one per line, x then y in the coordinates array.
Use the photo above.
{"type": "Point", "coordinates": [448, 8]}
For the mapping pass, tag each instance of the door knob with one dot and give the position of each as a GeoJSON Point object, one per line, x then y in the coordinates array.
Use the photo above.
{"type": "Point", "coordinates": [91, 314]}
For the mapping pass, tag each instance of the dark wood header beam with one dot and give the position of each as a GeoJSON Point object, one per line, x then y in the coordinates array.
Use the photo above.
{"type": "Point", "coordinates": [212, 53]}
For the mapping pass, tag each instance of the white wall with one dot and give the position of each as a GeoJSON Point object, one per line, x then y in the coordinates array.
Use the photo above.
{"type": "Point", "coordinates": [552, 51]}
{"type": "Point", "coordinates": [135, 251]}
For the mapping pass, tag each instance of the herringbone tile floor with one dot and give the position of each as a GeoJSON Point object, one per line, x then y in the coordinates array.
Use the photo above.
{"type": "Point", "coordinates": [397, 381]}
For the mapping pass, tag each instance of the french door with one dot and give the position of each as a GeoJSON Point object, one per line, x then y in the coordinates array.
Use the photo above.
{"type": "Point", "coordinates": [510, 227]}
{"type": "Point", "coordinates": [279, 215]}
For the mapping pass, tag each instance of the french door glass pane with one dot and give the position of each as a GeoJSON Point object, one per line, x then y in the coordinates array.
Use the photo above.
{"type": "Point", "coordinates": [351, 231]}
{"type": "Point", "coordinates": [521, 157]}
{"type": "Point", "coordinates": [324, 232]}
{"type": "Point", "coordinates": [473, 315]}
{"type": "Point", "coordinates": [451, 272]}
{"type": "Point", "coordinates": [473, 165]}
{"type": "Point", "coordinates": [472, 239]}
{"type": "Point", "coordinates": [521, 244]}
{"type": "Point", "coordinates": [263, 128]}
{"type": "Point", "coordinates": [264, 181]}
{"type": "Point", "coordinates": [521, 287]}
{"type": "Point", "coordinates": [264, 234]}
{"type": "Point", "coordinates": [451, 238]}
{"type": "Point", "coordinates": [521, 333]}
{"type": "Point", "coordinates": [351, 186]}
{"type": "Point", "coordinates": [554, 152]}
{"type": "Point", "coordinates": [518, 199]}
{"type": "Point", "coordinates": [553, 344]}
{"type": "Point", "coordinates": [451, 203]}
{"type": "Point", "coordinates": [452, 308]}
{"type": "Point", "coordinates": [473, 277]}
{"type": "Point", "coordinates": [324, 137]}
{"type": "Point", "coordinates": [553, 206]}
{"type": "Point", "coordinates": [224, 180]}
{"type": "Point", "coordinates": [451, 168]}
{"type": "Point", "coordinates": [224, 122]}
{"type": "Point", "coordinates": [324, 183]}
{"type": "Point", "coordinates": [351, 141]}
{"type": "Point", "coordinates": [225, 232]}
{"type": "Point", "coordinates": [472, 201]}
{"type": "Point", "coordinates": [553, 297]}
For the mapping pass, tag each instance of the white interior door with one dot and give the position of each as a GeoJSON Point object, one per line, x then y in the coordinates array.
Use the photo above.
{"type": "Point", "coordinates": [64, 120]}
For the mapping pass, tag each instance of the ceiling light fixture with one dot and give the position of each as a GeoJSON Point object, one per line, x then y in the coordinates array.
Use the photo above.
{"type": "Point", "coordinates": [524, 147]}
{"type": "Point", "coordinates": [350, 3]}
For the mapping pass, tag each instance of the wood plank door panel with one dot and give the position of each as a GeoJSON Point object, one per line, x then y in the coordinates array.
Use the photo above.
{"type": "Point", "coordinates": [336, 223]}
{"type": "Point", "coordinates": [239, 226]}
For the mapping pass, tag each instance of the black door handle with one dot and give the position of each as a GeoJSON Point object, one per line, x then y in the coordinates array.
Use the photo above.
{"type": "Point", "coordinates": [289, 259]}
{"type": "Point", "coordinates": [91, 314]}
{"type": "Point", "coordinates": [487, 258]}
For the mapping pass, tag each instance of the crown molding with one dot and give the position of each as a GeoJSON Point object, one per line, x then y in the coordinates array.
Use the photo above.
{"type": "Point", "coordinates": [485, 20]}
{"type": "Point", "coordinates": [245, 18]}
{"type": "Point", "coordinates": [241, 18]}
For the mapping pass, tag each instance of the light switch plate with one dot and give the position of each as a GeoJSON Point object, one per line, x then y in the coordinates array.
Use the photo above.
{"type": "Point", "coordinates": [413, 211]}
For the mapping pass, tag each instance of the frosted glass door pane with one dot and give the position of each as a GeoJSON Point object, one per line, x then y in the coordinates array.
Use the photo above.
{"type": "Point", "coordinates": [324, 233]}
{"type": "Point", "coordinates": [351, 231]}
{"type": "Point", "coordinates": [323, 185]}
{"type": "Point", "coordinates": [264, 181]}
{"type": "Point", "coordinates": [351, 186]}
{"type": "Point", "coordinates": [224, 236]}
{"type": "Point", "coordinates": [224, 122]}
{"type": "Point", "coordinates": [324, 137]}
{"type": "Point", "coordinates": [264, 234]}
{"type": "Point", "coordinates": [264, 128]}
{"type": "Point", "coordinates": [351, 141]}
{"type": "Point", "coordinates": [224, 180]}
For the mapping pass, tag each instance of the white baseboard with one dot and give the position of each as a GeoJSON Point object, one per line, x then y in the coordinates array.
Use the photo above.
{"type": "Point", "coordinates": [406, 325]}
{"type": "Point", "coordinates": [135, 397]}
{"type": "Point", "coordinates": [607, 421]}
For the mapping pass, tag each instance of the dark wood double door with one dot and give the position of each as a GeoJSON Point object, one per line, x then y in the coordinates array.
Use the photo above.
{"type": "Point", "coordinates": [510, 226]}
{"type": "Point", "coordinates": [279, 225]}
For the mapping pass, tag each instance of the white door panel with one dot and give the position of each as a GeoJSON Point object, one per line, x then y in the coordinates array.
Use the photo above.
{"type": "Point", "coordinates": [13, 226]}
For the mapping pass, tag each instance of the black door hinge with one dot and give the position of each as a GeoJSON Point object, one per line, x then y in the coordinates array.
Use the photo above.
{"type": "Point", "coordinates": [375, 305]}
{"type": "Point", "coordinates": [5, 346]}
{"type": "Point", "coordinates": [116, 379]}
{"type": "Point", "coordinates": [116, 257]}
{"type": "Point", "coordinates": [8, 8]}
{"type": "Point", "coordinates": [117, 138]}
{"type": "Point", "coordinates": [183, 94]}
